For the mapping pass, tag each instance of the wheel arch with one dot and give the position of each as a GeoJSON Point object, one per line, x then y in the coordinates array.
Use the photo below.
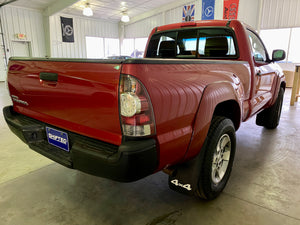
{"type": "Point", "coordinates": [218, 99]}
{"type": "Point", "coordinates": [231, 110]}
{"type": "Point", "coordinates": [283, 85]}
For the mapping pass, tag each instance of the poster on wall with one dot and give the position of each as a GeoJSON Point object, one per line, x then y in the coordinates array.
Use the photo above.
{"type": "Point", "coordinates": [231, 8]}
{"type": "Point", "coordinates": [188, 13]}
{"type": "Point", "coordinates": [208, 9]}
{"type": "Point", "coordinates": [67, 30]}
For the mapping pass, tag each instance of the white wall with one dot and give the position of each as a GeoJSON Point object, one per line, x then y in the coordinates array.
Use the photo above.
{"type": "Point", "coordinates": [82, 27]}
{"type": "Point", "coordinates": [26, 21]}
{"type": "Point", "coordinates": [142, 28]}
{"type": "Point", "coordinates": [280, 14]}
{"type": "Point", "coordinates": [2, 59]}
{"type": "Point", "coordinates": [248, 13]}
{"type": "Point", "coordinates": [276, 13]}
{"type": "Point", "coordinates": [30, 22]}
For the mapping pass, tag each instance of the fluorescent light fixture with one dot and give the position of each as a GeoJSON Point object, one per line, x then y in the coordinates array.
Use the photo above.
{"type": "Point", "coordinates": [125, 18]}
{"type": "Point", "coordinates": [87, 11]}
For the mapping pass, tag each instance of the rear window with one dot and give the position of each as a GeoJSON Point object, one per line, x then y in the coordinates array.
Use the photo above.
{"type": "Point", "coordinates": [193, 43]}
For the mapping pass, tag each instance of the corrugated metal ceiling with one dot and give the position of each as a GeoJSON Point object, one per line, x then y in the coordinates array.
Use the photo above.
{"type": "Point", "coordinates": [102, 9]}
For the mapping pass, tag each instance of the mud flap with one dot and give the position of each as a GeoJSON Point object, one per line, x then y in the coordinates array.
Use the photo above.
{"type": "Point", "coordinates": [185, 177]}
{"type": "Point", "coordinates": [261, 117]}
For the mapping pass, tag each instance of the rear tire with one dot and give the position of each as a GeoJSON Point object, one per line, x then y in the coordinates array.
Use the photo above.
{"type": "Point", "coordinates": [219, 151]}
{"type": "Point", "coordinates": [270, 117]}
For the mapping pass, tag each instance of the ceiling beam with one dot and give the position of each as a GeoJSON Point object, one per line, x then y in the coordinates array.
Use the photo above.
{"type": "Point", "coordinates": [6, 2]}
{"type": "Point", "coordinates": [58, 6]}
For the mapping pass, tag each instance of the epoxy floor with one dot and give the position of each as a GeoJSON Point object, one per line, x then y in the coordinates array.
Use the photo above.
{"type": "Point", "coordinates": [264, 187]}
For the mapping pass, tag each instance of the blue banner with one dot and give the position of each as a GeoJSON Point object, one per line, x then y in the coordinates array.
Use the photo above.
{"type": "Point", "coordinates": [208, 9]}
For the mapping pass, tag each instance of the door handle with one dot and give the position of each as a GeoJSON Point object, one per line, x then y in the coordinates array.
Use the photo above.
{"type": "Point", "coordinates": [45, 76]}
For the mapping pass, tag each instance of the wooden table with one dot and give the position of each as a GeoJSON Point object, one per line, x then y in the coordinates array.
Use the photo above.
{"type": "Point", "coordinates": [296, 86]}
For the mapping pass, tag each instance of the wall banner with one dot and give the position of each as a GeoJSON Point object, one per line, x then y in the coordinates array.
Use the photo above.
{"type": "Point", "coordinates": [188, 13]}
{"type": "Point", "coordinates": [67, 30]}
{"type": "Point", "coordinates": [231, 8]}
{"type": "Point", "coordinates": [208, 9]}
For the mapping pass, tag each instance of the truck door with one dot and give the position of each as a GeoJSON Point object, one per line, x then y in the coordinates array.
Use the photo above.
{"type": "Point", "coordinates": [264, 76]}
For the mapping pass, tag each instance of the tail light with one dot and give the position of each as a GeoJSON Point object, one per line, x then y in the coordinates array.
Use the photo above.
{"type": "Point", "coordinates": [136, 112]}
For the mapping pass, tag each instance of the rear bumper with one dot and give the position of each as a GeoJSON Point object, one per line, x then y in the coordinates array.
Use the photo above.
{"type": "Point", "coordinates": [130, 161]}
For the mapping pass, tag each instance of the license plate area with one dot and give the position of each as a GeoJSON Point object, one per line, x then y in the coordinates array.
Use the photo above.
{"type": "Point", "coordinates": [58, 138]}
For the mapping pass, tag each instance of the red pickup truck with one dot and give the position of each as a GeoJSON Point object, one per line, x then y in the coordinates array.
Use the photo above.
{"type": "Point", "coordinates": [176, 110]}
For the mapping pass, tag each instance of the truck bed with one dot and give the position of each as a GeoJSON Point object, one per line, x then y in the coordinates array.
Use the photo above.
{"type": "Point", "coordinates": [84, 99]}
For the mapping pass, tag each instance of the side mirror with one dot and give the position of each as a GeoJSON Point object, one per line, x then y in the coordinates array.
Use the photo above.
{"type": "Point", "coordinates": [278, 55]}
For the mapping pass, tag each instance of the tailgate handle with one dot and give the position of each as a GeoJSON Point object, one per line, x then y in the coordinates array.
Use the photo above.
{"type": "Point", "coordinates": [48, 76]}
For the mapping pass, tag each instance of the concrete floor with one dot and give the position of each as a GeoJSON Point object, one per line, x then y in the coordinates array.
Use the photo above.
{"type": "Point", "coordinates": [263, 188]}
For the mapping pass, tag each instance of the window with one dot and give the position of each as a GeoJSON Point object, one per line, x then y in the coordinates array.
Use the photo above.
{"type": "Point", "coordinates": [94, 47]}
{"type": "Point", "coordinates": [134, 47]}
{"type": "Point", "coordinates": [127, 47]}
{"type": "Point", "coordinates": [217, 43]}
{"type": "Point", "coordinates": [99, 48]}
{"type": "Point", "coordinates": [211, 42]}
{"type": "Point", "coordinates": [187, 44]}
{"type": "Point", "coordinates": [111, 47]}
{"type": "Point", "coordinates": [286, 39]}
{"type": "Point", "coordinates": [294, 55]}
{"type": "Point", "coordinates": [162, 45]}
{"type": "Point", "coordinates": [258, 49]}
{"type": "Point", "coordinates": [139, 47]}
{"type": "Point", "coordinates": [276, 39]}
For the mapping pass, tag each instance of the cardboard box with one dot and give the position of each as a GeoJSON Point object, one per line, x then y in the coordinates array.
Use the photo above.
{"type": "Point", "coordinates": [289, 78]}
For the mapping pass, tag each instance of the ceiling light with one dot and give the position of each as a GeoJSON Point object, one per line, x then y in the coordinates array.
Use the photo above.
{"type": "Point", "coordinates": [87, 11]}
{"type": "Point", "coordinates": [125, 18]}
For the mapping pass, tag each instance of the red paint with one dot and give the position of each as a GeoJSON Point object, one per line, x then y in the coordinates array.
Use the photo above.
{"type": "Point", "coordinates": [175, 91]}
{"type": "Point", "coordinates": [84, 100]}
{"type": "Point", "coordinates": [184, 96]}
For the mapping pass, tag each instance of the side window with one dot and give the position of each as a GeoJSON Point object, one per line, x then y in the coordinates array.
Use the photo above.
{"type": "Point", "coordinates": [258, 49]}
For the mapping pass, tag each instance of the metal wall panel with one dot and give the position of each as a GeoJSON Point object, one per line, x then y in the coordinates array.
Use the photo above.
{"type": "Point", "coordinates": [248, 12]}
{"type": "Point", "coordinates": [143, 27]}
{"type": "Point", "coordinates": [26, 21]}
{"type": "Point", "coordinates": [280, 14]}
{"type": "Point", "coordinates": [82, 28]}
{"type": "Point", "coordinates": [175, 15]}
{"type": "Point", "coordinates": [30, 22]}
{"type": "Point", "coordinates": [2, 59]}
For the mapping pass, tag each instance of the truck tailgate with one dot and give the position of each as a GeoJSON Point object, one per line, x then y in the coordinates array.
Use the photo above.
{"type": "Point", "coordinates": [76, 95]}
